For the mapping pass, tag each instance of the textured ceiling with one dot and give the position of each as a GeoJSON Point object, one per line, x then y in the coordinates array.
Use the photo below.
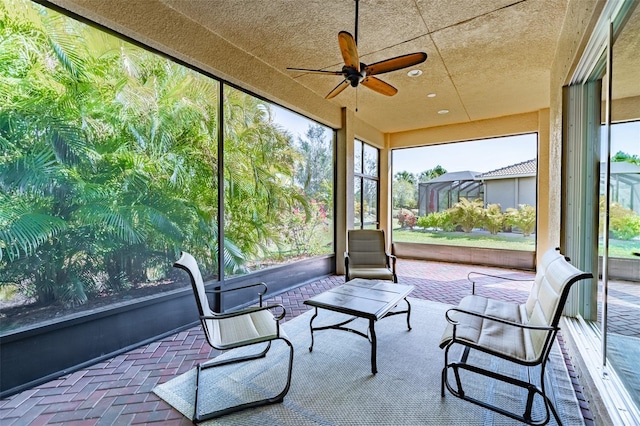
{"type": "Point", "coordinates": [487, 58]}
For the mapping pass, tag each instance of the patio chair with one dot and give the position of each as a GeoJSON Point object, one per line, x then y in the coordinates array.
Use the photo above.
{"type": "Point", "coordinates": [223, 331]}
{"type": "Point", "coordinates": [520, 333]}
{"type": "Point", "coordinates": [366, 256]}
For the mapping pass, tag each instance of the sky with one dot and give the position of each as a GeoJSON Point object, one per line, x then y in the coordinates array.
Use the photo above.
{"type": "Point", "coordinates": [294, 123]}
{"type": "Point", "coordinates": [478, 156]}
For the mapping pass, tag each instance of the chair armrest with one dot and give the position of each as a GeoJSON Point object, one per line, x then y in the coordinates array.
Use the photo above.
{"type": "Point", "coordinates": [346, 266]}
{"type": "Point", "coordinates": [225, 290]}
{"type": "Point", "coordinates": [278, 306]}
{"type": "Point", "coordinates": [391, 261]}
{"type": "Point", "coordinates": [492, 318]}
{"type": "Point", "coordinates": [482, 274]}
{"type": "Point", "coordinates": [245, 311]}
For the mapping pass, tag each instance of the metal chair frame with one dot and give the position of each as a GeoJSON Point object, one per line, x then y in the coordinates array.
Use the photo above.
{"type": "Point", "coordinates": [184, 264]}
{"type": "Point", "coordinates": [533, 389]}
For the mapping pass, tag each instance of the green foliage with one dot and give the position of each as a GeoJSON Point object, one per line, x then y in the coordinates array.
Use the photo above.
{"type": "Point", "coordinates": [624, 157]}
{"type": "Point", "coordinates": [406, 218]}
{"type": "Point", "coordinates": [467, 214]}
{"type": "Point", "coordinates": [426, 221]}
{"type": "Point", "coordinates": [437, 220]}
{"type": "Point", "coordinates": [494, 219]}
{"type": "Point", "coordinates": [404, 195]}
{"type": "Point", "coordinates": [524, 218]}
{"type": "Point", "coordinates": [624, 223]}
{"type": "Point", "coordinates": [304, 229]}
{"type": "Point", "coordinates": [429, 174]}
{"type": "Point", "coordinates": [109, 164]}
{"type": "Point", "coordinates": [406, 177]}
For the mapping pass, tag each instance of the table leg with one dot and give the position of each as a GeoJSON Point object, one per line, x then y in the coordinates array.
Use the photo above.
{"type": "Point", "coordinates": [408, 313]}
{"type": "Point", "coordinates": [374, 346]}
{"type": "Point", "coordinates": [311, 327]}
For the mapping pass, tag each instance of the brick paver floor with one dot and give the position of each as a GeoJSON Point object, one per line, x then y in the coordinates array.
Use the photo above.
{"type": "Point", "coordinates": [119, 391]}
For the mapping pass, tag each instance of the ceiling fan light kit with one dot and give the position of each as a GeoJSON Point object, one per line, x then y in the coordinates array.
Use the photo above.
{"type": "Point", "coordinates": [355, 72]}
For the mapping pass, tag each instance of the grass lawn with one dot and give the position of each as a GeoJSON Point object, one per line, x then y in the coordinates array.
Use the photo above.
{"type": "Point", "coordinates": [507, 241]}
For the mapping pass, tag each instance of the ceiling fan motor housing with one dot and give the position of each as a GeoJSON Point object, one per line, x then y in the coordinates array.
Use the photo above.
{"type": "Point", "coordinates": [353, 75]}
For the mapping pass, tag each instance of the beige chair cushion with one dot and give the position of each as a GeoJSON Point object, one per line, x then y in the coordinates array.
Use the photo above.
{"type": "Point", "coordinates": [245, 329]}
{"type": "Point", "coordinates": [370, 273]}
{"type": "Point", "coordinates": [513, 342]}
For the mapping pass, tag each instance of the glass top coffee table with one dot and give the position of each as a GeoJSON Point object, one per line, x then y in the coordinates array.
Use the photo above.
{"type": "Point", "coordinates": [360, 298]}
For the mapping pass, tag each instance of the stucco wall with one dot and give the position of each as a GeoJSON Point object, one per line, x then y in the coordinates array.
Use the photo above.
{"type": "Point", "coordinates": [510, 193]}
{"type": "Point", "coordinates": [579, 21]}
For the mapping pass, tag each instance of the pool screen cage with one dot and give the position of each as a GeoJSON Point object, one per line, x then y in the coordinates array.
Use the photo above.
{"type": "Point", "coordinates": [443, 192]}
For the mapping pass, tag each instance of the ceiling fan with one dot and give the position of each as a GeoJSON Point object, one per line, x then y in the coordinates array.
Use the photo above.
{"type": "Point", "coordinates": [355, 72]}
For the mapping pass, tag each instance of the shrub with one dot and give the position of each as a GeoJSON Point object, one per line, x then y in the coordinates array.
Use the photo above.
{"type": "Point", "coordinates": [406, 219]}
{"type": "Point", "coordinates": [426, 221]}
{"type": "Point", "coordinates": [467, 214]}
{"type": "Point", "coordinates": [301, 229]}
{"type": "Point", "coordinates": [524, 218]}
{"type": "Point", "coordinates": [494, 218]}
{"type": "Point", "coordinates": [624, 223]}
{"type": "Point", "coordinates": [436, 220]}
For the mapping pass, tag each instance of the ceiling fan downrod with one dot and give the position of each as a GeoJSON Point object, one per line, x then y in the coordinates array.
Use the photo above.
{"type": "Point", "coordinates": [356, 26]}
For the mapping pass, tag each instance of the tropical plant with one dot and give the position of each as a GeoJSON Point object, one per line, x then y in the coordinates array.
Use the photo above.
{"type": "Point", "coordinates": [524, 218]}
{"type": "Point", "coordinates": [405, 176]}
{"type": "Point", "coordinates": [467, 214]}
{"type": "Point", "coordinates": [110, 165]}
{"type": "Point", "coordinates": [436, 220]}
{"type": "Point", "coordinates": [494, 219]}
{"type": "Point", "coordinates": [429, 174]}
{"type": "Point", "coordinates": [314, 170]}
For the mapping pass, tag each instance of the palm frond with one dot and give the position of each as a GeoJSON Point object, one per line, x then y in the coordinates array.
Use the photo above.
{"type": "Point", "coordinates": [23, 230]}
{"type": "Point", "coordinates": [104, 219]}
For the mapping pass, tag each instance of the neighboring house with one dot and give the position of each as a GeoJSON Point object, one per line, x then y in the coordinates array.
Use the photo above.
{"type": "Point", "coordinates": [509, 186]}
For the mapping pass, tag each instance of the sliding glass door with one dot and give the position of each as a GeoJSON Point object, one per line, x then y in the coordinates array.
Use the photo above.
{"type": "Point", "coordinates": [619, 289]}
{"type": "Point", "coordinates": [601, 204]}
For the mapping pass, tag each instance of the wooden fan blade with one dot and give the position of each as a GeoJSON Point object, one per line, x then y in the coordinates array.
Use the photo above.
{"type": "Point", "coordinates": [379, 86]}
{"type": "Point", "coordinates": [396, 63]}
{"type": "Point", "coordinates": [338, 89]}
{"type": "Point", "coordinates": [349, 50]}
{"type": "Point", "coordinates": [305, 70]}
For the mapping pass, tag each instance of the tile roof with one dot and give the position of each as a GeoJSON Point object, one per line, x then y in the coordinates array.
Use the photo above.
{"type": "Point", "coordinates": [526, 168]}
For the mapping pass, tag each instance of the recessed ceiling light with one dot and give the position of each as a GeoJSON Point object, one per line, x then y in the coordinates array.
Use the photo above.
{"type": "Point", "coordinates": [414, 73]}
{"type": "Point", "coordinates": [443, 111]}
{"type": "Point", "coordinates": [431, 95]}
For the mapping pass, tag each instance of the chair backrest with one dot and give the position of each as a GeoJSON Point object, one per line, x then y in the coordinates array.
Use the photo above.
{"type": "Point", "coordinates": [366, 247]}
{"type": "Point", "coordinates": [548, 295]}
{"type": "Point", "coordinates": [189, 264]}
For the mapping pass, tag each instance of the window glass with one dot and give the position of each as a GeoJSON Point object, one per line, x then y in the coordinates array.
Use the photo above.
{"type": "Point", "coordinates": [357, 156]}
{"type": "Point", "coordinates": [477, 193]}
{"type": "Point", "coordinates": [370, 203]}
{"type": "Point", "coordinates": [278, 185]}
{"type": "Point", "coordinates": [103, 175]}
{"type": "Point", "coordinates": [370, 161]}
{"type": "Point", "coordinates": [109, 168]}
{"type": "Point", "coordinates": [366, 186]}
{"type": "Point", "coordinates": [357, 203]}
